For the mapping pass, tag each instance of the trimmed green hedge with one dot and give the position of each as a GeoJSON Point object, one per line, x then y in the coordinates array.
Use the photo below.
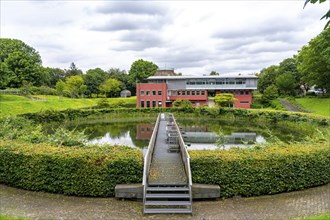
{"type": "Point", "coordinates": [246, 172]}
{"type": "Point", "coordinates": [251, 114]}
{"type": "Point", "coordinates": [67, 170]}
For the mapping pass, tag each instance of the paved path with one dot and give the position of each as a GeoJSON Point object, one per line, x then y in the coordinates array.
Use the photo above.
{"type": "Point", "coordinates": [38, 205]}
{"type": "Point", "coordinates": [166, 168]}
{"type": "Point", "coordinates": [288, 106]}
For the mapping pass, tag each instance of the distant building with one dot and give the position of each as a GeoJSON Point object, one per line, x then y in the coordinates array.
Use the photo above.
{"type": "Point", "coordinates": [162, 91]}
{"type": "Point", "coordinates": [125, 93]}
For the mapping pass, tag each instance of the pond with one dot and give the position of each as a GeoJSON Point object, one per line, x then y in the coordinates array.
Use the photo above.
{"type": "Point", "coordinates": [197, 133]}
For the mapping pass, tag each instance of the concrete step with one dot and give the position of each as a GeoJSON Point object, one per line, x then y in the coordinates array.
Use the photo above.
{"type": "Point", "coordinates": [168, 203]}
{"type": "Point", "coordinates": [167, 195]}
{"type": "Point", "coordinates": [171, 210]}
{"type": "Point", "coordinates": [167, 189]}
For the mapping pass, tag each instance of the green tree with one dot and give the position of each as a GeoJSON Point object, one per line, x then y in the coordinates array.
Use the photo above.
{"type": "Point", "coordinates": [53, 75]}
{"type": "Point", "coordinates": [270, 93]}
{"type": "Point", "coordinates": [224, 99]}
{"type": "Point", "coordinates": [19, 62]}
{"type": "Point", "coordinates": [111, 87]}
{"type": "Point", "coordinates": [267, 77]}
{"type": "Point", "coordinates": [214, 73]}
{"type": "Point", "coordinates": [313, 61]}
{"type": "Point", "coordinates": [326, 16]}
{"type": "Point", "coordinates": [121, 76]}
{"type": "Point", "coordinates": [73, 71]}
{"type": "Point", "coordinates": [93, 80]}
{"type": "Point", "coordinates": [75, 86]}
{"type": "Point", "coordinates": [286, 84]}
{"type": "Point", "coordinates": [178, 103]}
{"type": "Point", "coordinates": [140, 70]}
{"type": "Point", "coordinates": [60, 88]}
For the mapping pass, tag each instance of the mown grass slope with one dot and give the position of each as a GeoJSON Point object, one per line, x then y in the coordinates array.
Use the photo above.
{"type": "Point", "coordinates": [14, 104]}
{"type": "Point", "coordinates": [319, 106]}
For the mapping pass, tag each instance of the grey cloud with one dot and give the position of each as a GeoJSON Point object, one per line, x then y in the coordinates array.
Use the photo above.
{"type": "Point", "coordinates": [136, 7]}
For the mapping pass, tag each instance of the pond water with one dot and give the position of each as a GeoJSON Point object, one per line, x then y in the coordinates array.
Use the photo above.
{"type": "Point", "coordinates": [198, 134]}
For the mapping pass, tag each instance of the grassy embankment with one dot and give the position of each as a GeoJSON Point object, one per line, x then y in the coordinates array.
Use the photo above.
{"type": "Point", "coordinates": [320, 106]}
{"type": "Point", "coordinates": [14, 104]}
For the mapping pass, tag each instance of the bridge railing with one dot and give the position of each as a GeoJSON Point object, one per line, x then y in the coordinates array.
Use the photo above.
{"type": "Point", "coordinates": [148, 156]}
{"type": "Point", "coordinates": [184, 154]}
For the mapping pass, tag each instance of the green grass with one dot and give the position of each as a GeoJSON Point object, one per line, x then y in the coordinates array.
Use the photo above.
{"type": "Point", "coordinates": [4, 217]}
{"type": "Point", "coordinates": [319, 106]}
{"type": "Point", "coordinates": [14, 104]}
{"type": "Point", "coordinates": [320, 217]}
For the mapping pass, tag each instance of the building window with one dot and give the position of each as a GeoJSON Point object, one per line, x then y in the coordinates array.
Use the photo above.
{"type": "Point", "coordinates": [198, 92]}
{"type": "Point", "coordinates": [183, 92]}
{"type": "Point", "coordinates": [247, 93]}
{"type": "Point", "coordinates": [148, 104]}
{"type": "Point", "coordinates": [244, 102]}
{"type": "Point", "coordinates": [154, 104]}
{"type": "Point", "coordinates": [160, 104]}
{"type": "Point", "coordinates": [237, 92]}
{"type": "Point", "coordinates": [231, 105]}
{"type": "Point", "coordinates": [159, 92]}
{"type": "Point", "coordinates": [147, 92]}
{"type": "Point", "coordinates": [242, 92]}
{"type": "Point", "coordinates": [153, 92]}
{"type": "Point", "coordinates": [192, 92]}
{"type": "Point", "coordinates": [142, 104]}
{"type": "Point", "coordinates": [142, 130]}
{"type": "Point", "coordinates": [142, 93]}
{"type": "Point", "coordinates": [179, 92]}
{"type": "Point", "coordinates": [203, 92]}
{"type": "Point", "coordinates": [174, 92]}
{"type": "Point", "coordinates": [188, 92]}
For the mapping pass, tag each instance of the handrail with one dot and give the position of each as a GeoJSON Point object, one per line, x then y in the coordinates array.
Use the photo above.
{"type": "Point", "coordinates": [184, 154]}
{"type": "Point", "coordinates": [147, 157]}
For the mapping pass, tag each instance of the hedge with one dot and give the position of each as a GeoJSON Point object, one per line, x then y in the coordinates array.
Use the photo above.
{"type": "Point", "coordinates": [67, 170]}
{"type": "Point", "coordinates": [246, 172]}
{"type": "Point", "coordinates": [251, 114]}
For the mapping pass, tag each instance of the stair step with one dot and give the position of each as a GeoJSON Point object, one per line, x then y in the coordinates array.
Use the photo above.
{"type": "Point", "coordinates": [169, 203]}
{"type": "Point", "coordinates": [164, 195]}
{"type": "Point", "coordinates": [150, 211]}
{"type": "Point", "coordinates": [167, 189]}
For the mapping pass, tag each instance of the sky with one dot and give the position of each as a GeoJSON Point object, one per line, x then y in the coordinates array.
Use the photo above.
{"type": "Point", "coordinates": [191, 37]}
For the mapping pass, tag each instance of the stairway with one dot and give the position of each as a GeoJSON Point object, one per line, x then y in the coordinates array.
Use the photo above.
{"type": "Point", "coordinates": [168, 199]}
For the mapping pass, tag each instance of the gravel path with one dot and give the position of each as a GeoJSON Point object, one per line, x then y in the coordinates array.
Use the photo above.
{"type": "Point", "coordinates": [38, 205]}
{"type": "Point", "coordinates": [288, 106]}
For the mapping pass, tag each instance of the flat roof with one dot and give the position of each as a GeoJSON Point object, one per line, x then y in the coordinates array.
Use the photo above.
{"type": "Point", "coordinates": [222, 76]}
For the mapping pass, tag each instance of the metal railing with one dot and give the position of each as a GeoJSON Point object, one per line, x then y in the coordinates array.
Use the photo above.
{"type": "Point", "coordinates": [148, 156]}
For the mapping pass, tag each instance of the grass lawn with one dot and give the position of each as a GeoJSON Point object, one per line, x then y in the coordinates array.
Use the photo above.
{"type": "Point", "coordinates": [4, 217]}
{"type": "Point", "coordinates": [14, 104]}
{"type": "Point", "coordinates": [320, 217]}
{"type": "Point", "coordinates": [319, 106]}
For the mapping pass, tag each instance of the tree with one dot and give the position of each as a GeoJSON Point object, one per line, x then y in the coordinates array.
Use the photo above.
{"type": "Point", "coordinates": [224, 99]}
{"type": "Point", "coordinates": [19, 62]}
{"type": "Point", "coordinates": [140, 70]}
{"type": "Point", "coordinates": [53, 75]}
{"type": "Point", "coordinates": [313, 61]}
{"type": "Point", "coordinates": [267, 77]}
{"type": "Point", "coordinates": [75, 86]}
{"type": "Point", "coordinates": [111, 87]}
{"type": "Point", "coordinates": [270, 93]}
{"type": "Point", "coordinates": [326, 16]}
{"type": "Point", "coordinates": [121, 76]}
{"type": "Point", "coordinates": [60, 87]}
{"type": "Point", "coordinates": [182, 104]}
{"type": "Point", "coordinates": [214, 73]}
{"type": "Point", "coordinates": [73, 71]}
{"type": "Point", "coordinates": [286, 84]}
{"type": "Point", "coordinates": [93, 80]}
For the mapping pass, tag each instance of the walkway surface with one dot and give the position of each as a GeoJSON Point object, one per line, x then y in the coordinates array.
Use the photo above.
{"type": "Point", "coordinates": [288, 106]}
{"type": "Point", "coordinates": [166, 167]}
{"type": "Point", "coordinates": [38, 205]}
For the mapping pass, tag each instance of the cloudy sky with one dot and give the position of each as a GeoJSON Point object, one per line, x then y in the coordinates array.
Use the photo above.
{"type": "Point", "coordinates": [193, 37]}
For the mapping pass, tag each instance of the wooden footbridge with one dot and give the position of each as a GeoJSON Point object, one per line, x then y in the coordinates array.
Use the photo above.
{"type": "Point", "coordinates": [167, 183]}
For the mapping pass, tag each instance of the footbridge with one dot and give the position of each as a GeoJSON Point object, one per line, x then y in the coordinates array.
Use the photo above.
{"type": "Point", "coordinates": [167, 182]}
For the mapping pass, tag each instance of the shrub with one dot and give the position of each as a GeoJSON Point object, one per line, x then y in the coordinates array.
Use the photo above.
{"type": "Point", "coordinates": [93, 171]}
{"type": "Point", "coordinates": [252, 172]}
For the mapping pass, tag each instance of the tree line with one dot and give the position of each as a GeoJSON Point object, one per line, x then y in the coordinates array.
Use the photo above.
{"type": "Point", "coordinates": [21, 68]}
{"type": "Point", "coordinates": [296, 75]}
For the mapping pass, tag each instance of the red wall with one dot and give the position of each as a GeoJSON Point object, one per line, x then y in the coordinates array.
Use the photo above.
{"type": "Point", "coordinates": [243, 100]}
{"type": "Point", "coordinates": [150, 98]}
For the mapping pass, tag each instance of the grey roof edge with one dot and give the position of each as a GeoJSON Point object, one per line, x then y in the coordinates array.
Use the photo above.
{"type": "Point", "coordinates": [224, 76]}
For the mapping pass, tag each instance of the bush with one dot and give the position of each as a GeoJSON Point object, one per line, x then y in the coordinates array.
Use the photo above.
{"type": "Point", "coordinates": [248, 172]}
{"type": "Point", "coordinates": [92, 171]}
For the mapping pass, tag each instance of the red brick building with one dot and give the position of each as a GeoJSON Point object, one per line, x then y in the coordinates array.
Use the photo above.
{"type": "Point", "coordinates": [162, 91]}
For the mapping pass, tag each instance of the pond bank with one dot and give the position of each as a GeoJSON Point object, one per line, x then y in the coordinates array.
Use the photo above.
{"type": "Point", "coordinates": [37, 205]}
